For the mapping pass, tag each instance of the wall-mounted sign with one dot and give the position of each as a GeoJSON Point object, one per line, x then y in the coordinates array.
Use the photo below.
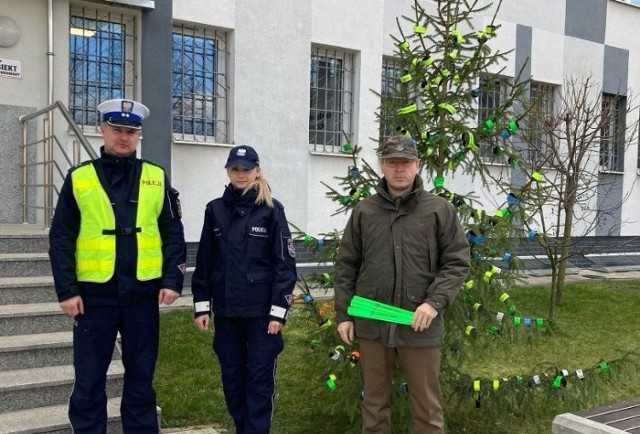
{"type": "Point", "coordinates": [10, 68]}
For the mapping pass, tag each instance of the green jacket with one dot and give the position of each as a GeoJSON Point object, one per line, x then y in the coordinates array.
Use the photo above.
{"type": "Point", "coordinates": [404, 254]}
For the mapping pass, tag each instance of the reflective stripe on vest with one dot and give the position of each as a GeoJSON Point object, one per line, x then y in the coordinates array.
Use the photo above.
{"type": "Point", "coordinates": [96, 251]}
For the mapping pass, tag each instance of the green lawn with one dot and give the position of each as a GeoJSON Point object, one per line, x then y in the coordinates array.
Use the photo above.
{"type": "Point", "coordinates": [597, 321]}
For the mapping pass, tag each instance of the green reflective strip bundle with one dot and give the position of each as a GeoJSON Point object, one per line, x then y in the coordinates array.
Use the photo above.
{"type": "Point", "coordinates": [366, 308]}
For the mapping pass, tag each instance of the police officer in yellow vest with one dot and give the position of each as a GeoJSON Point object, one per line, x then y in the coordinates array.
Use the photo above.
{"type": "Point", "coordinates": [117, 251]}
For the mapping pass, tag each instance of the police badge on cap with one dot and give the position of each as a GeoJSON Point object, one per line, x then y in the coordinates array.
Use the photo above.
{"type": "Point", "coordinates": [244, 156]}
{"type": "Point", "coordinates": [123, 113]}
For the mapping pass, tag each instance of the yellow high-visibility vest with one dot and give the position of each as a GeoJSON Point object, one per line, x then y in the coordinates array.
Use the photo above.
{"type": "Point", "coordinates": [96, 243]}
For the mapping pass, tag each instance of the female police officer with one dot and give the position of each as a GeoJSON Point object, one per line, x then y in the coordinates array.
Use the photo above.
{"type": "Point", "coordinates": [245, 273]}
{"type": "Point", "coordinates": [117, 250]}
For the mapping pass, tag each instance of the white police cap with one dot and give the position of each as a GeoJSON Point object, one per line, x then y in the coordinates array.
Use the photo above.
{"type": "Point", "coordinates": [123, 113]}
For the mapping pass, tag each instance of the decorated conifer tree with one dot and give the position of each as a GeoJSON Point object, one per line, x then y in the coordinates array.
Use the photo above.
{"type": "Point", "coordinates": [435, 102]}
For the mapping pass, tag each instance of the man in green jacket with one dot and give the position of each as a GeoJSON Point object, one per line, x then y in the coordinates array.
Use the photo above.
{"type": "Point", "coordinates": [406, 247]}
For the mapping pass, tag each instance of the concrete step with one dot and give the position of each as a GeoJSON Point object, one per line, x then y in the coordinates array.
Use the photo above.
{"type": "Point", "coordinates": [23, 290]}
{"type": "Point", "coordinates": [36, 350]}
{"type": "Point", "coordinates": [53, 419]}
{"type": "Point", "coordinates": [24, 319]}
{"type": "Point", "coordinates": [24, 243]}
{"type": "Point", "coordinates": [24, 264]}
{"type": "Point", "coordinates": [23, 389]}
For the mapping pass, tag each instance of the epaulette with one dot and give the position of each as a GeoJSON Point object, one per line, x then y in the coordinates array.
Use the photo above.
{"type": "Point", "coordinates": [152, 163]}
{"type": "Point", "coordinates": [84, 163]}
{"type": "Point", "coordinates": [278, 204]}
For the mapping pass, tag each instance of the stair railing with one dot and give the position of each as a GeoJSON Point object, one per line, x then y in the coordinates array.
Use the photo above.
{"type": "Point", "coordinates": [49, 163]}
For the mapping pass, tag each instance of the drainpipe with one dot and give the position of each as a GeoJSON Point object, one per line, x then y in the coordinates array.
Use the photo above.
{"type": "Point", "coordinates": [48, 122]}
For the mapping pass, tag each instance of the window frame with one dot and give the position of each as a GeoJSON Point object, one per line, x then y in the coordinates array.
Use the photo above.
{"type": "Point", "coordinates": [612, 144]}
{"type": "Point", "coordinates": [484, 110]}
{"type": "Point", "coordinates": [200, 93]}
{"type": "Point", "coordinates": [341, 64]}
{"type": "Point", "coordinates": [103, 56]}
{"type": "Point", "coordinates": [544, 140]}
{"type": "Point", "coordinates": [390, 73]}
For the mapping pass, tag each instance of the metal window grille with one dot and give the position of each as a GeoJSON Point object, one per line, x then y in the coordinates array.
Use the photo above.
{"type": "Point", "coordinates": [389, 91]}
{"type": "Point", "coordinates": [491, 93]}
{"type": "Point", "coordinates": [542, 141]}
{"type": "Point", "coordinates": [331, 106]}
{"type": "Point", "coordinates": [102, 53]}
{"type": "Point", "coordinates": [612, 134]}
{"type": "Point", "coordinates": [199, 85]}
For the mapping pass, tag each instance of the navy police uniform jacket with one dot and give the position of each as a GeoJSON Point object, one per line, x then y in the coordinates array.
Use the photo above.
{"type": "Point", "coordinates": [120, 177]}
{"type": "Point", "coordinates": [245, 265]}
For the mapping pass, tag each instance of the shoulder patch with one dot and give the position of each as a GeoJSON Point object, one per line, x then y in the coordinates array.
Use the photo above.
{"type": "Point", "coordinates": [291, 247]}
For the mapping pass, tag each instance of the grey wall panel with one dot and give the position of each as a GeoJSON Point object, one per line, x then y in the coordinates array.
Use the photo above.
{"type": "Point", "coordinates": [156, 83]}
{"type": "Point", "coordinates": [615, 70]}
{"type": "Point", "coordinates": [586, 19]}
{"type": "Point", "coordinates": [609, 204]}
{"type": "Point", "coordinates": [11, 164]}
{"type": "Point", "coordinates": [524, 38]}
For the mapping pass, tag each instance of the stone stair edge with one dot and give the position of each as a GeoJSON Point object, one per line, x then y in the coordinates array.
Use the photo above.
{"type": "Point", "coordinates": [34, 341]}
{"type": "Point", "coordinates": [48, 376]}
{"type": "Point", "coordinates": [25, 281]}
{"type": "Point", "coordinates": [23, 257]}
{"type": "Point", "coordinates": [46, 419]}
{"type": "Point", "coordinates": [33, 309]}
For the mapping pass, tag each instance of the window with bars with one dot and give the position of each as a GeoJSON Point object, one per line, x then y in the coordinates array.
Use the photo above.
{"type": "Point", "coordinates": [199, 85]}
{"type": "Point", "coordinates": [331, 106]}
{"type": "Point", "coordinates": [389, 91]}
{"type": "Point", "coordinates": [492, 92]}
{"type": "Point", "coordinates": [102, 55]}
{"type": "Point", "coordinates": [612, 134]}
{"type": "Point", "coordinates": [542, 97]}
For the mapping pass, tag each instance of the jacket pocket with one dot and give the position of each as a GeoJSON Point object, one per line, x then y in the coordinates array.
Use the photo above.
{"type": "Point", "coordinates": [259, 285]}
{"type": "Point", "coordinates": [258, 245]}
{"type": "Point", "coordinates": [415, 296]}
{"type": "Point", "coordinates": [367, 292]}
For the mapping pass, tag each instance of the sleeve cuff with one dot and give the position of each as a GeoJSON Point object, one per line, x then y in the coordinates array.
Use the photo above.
{"type": "Point", "coordinates": [278, 312]}
{"type": "Point", "coordinates": [171, 284]}
{"type": "Point", "coordinates": [202, 307]}
{"type": "Point", "coordinates": [436, 304]}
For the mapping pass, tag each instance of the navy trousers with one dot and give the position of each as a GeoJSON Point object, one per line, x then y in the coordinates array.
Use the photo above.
{"type": "Point", "coordinates": [94, 337]}
{"type": "Point", "coordinates": [247, 355]}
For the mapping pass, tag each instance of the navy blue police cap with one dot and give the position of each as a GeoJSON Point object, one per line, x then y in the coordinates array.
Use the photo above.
{"type": "Point", "coordinates": [244, 156]}
{"type": "Point", "coordinates": [123, 113]}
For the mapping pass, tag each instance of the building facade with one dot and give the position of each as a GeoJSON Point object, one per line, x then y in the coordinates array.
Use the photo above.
{"type": "Point", "coordinates": [296, 79]}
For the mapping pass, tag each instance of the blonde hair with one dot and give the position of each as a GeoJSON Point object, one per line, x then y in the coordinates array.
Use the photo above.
{"type": "Point", "coordinates": [264, 191]}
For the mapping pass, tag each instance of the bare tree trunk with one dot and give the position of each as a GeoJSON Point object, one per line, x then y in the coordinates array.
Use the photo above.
{"type": "Point", "coordinates": [565, 239]}
{"type": "Point", "coordinates": [554, 293]}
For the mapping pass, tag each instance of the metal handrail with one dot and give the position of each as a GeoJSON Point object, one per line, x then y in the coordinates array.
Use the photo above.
{"type": "Point", "coordinates": [48, 157]}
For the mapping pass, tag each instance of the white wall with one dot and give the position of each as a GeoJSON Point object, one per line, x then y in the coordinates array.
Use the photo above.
{"type": "Point", "coordinates": [31, 48]}
{"type": "Point", "coordinates": [270, 45]}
